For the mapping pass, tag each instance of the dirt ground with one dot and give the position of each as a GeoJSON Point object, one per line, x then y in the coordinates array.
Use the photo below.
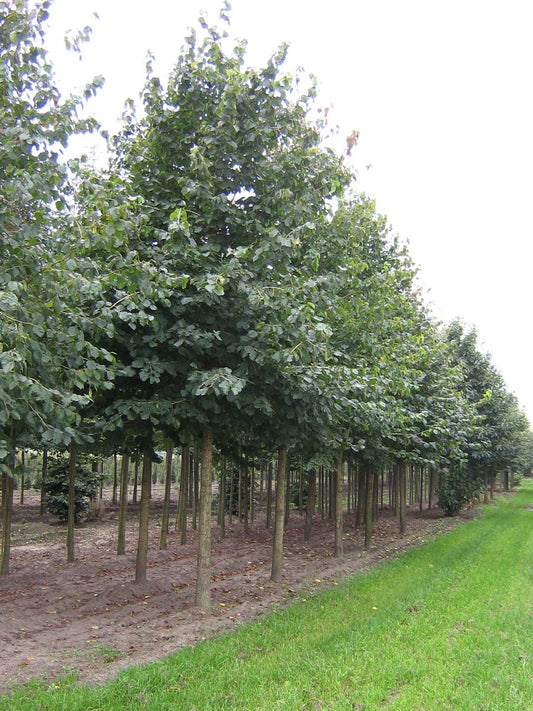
{"type": "Point", "coordinates": [89, 617]}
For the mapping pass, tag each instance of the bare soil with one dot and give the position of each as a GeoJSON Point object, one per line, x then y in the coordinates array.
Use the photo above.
{"type": "Point", "coordinates": [89, 617]}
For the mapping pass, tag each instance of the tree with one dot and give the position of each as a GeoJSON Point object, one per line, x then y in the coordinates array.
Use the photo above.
{"type": "Point", "coordinates": [46, 356]}
{"type": "Point", "coordinates": [231, 172]}
{"type": "Point", "coordinates": [498, 431]}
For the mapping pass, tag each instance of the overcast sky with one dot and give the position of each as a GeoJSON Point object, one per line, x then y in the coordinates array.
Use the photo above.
{"type": "Point", "coordinates": [440, 92]}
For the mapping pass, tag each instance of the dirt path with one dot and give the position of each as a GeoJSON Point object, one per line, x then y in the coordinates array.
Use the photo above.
{"type": "Point", "coordinates": [89, 617]}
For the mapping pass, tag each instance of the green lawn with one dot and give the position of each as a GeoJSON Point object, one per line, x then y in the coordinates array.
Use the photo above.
{"type": "Point", "coordinates": [445, 626]}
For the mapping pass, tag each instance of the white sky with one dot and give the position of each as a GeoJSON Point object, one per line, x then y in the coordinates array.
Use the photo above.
{"type": "Point", "coordinates": [440, 91]}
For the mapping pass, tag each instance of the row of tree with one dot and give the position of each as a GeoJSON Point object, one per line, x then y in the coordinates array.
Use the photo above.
{"type": "Point", "coordinates": [220, 282]}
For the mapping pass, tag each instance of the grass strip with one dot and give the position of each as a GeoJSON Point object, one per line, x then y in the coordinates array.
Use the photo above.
{"type": "Point", "coordinates": [445, 626]}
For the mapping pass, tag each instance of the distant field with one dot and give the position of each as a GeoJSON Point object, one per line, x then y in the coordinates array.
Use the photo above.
{"type": "Point", "coordinates": [445, 626]}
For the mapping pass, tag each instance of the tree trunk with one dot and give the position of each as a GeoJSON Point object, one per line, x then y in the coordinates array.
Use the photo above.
{"type": "Point", "coordinates": [136, 479]}
{"type": "Point", "coordinates": [239, 494]}
{"type": "Point", "coordinates": [44, 474]}
{"type": "Point", "coordinates": [222, 499]}
{"type": "Point", "coordinates": [7, 512]}
{"type": "Point", "coordinates": [375, 498]}
{"type": "Point", "coordinates": [361, 484]}
{"type": "Point", "coordinates": [182, 504]}
{"type": "Point", "coordinates": [231, 494]}
{"type": "Point", "coordinates": [203, 578]}
{"type": "Point", "coordinates": [166, 499]}
{"type": "Point", "coordinates": [311, 495]}
{"type": "Point", "coordinates": [396, 489]}
{"type": "Point", "coordinates": [22, 475]}
{"type": "Point", "coordinates": [301, 487]}
{"type": "Point", "coordinates": [123, 504]}
{"type": "Point", "coordinates": [252, 485]}
{"type": "Point", "coordinates": [144, 516]}
{"type": "Point", "coordinates": [402, 490]}
{"type": "Point", "coordinates": [287, 495]}
{"type": "Point", "coordinates": [331, 498]}
{"type": "Point", "coordinates": [269, 496]}
{"type": "Point", "coordinates": [71, 503]}
{"type": "Point", "coordinates": [245, 475]}
{"type": "Point", "coordinates": [349, 481]}
{"type": "Point", "coordinates": [321, 492]}
{"type": "Point", "coordinates": [279, 519]}
{"type": "Point", "coordinates": [369, 506]}
{"type": "Point", "coordinates": [338, 506]}
{"type": "Point", "coordinates": [195, 485]}
{"type": "Point", "coordinates": [115, 479]}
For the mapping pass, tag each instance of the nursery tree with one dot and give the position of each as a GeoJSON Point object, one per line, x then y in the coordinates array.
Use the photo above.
{"type": "Point", "coordinates": [231, 172]}
{"type": "Point", "coordinates": [496, 441]}
{"type": "Point", "coordinates": [43, 350]}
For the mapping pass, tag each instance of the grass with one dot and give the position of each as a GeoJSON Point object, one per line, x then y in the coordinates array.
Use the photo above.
{"type": "Point", "coordinates": [446, 626]}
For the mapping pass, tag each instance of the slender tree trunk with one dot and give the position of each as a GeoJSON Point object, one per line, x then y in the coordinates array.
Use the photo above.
{"type": "Point", "coordinates": [239, 495]}
{"type": "Point", "coordinates": [338, 506]}
{"type": "Point", "coordinates": [136, 479]}
{"type": "Point", "coordinates": [375, 497]}
{"type": "Point", "coordinates": [431, 485]}
{"type": "Point", "coordinates": [251, 474]}
{"type": "Point", "coordinates": [231, 494]}
{"type": "Point", "coordinates": [203, 578]}
{"type": "Point", "coordinates": [269, 496]}
{"type": "Point", "coordinates": [44, 474]}
{"type": "Point", "coordinates": [196, 481]}
{"type": "Point", "coordinates": [279, 519]}
{"type": "Point", "coordinates": [22, 475]}
{"type": "Point", "coordinates": [402, 476]}
{"type": "Point", "coordinates": [331, 498]}
{"type": "Point", "coordinates": [71, 503]}
{"type": "Point", "coordinates": [222, 499]}
{"type": "Point", "coordinates": [301, 487]}
{"type": "Point", "coordinates": [144, 518]}
{"type": "Point", "coordinates": [361, 498]}
{"type": "Point", "coordinates": [349, 480]}
{"type": "Point", "coordinates": [115, 479]}
{"type": "Point", "coordinates": [287, 495]}
{"type": "Point", "coordinates": [369, 506]}
{"type": "Point", "coordinates": [311, 495]}
{"type": "Point", "coordinates": [7, 513]}
{"type": "Point", "coordinates": [321, 492]}
{"type": "Point", "coordinates": [166, 499]}
{"type": "Point", "coordinates": [182, 504]}
{"type": "Point", "coordinates": [396, 489]}
{"type": "Point", "coordinates": [245, 494]}
{"type": "Point", "coordinates": [123, 504]}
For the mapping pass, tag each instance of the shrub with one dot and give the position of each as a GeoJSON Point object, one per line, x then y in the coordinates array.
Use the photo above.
{"type": "Point", "coordinates": [56, 488]}
{"type": "Point", "coordinates": [457, 488]}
